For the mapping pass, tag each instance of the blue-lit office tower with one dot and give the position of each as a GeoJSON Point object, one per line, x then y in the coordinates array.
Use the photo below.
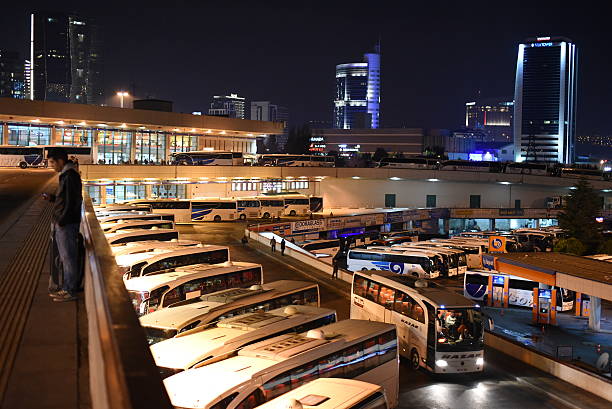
{"type": "Point", "coordinates": [545, 100]}
{"type": "Point", "coordinates": [357, 103]}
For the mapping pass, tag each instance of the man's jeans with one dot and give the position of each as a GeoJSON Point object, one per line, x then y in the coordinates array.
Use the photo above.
{"type": "Point", "coordinates": [66, 240]}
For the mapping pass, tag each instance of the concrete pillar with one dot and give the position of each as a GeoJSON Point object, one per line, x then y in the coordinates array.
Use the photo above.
{"type": "Point", "coordinates": [148, 191]}
{"type": "Point", "coordinates": [189, 190]}
{"type": "Point", "coordinates": [595, 314]}
{"type": "Point", "coordinates": [167, 145]}
{"type": "Point", "coordinates": [446, 226]}
{"type": "Point", "coordinates": [54, 135]}
{"type": "Point", "coordinates": [103, 194]}
{"type": "Point", "coordinates": [133, 147]}
{"type": "Point", "coordinates": [4, 136]}
{"type": "Point", "coordinates": [492, 222]}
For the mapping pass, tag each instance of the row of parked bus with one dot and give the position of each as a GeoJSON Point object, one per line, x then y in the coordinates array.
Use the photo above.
{"type": "Point", "coordinates": [229, 209]}
{"type": "Point", "coordinates": [210, 320]}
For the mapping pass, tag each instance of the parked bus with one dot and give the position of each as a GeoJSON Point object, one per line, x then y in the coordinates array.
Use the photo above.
{"type": "Point", "coordinates": [169, 261]}
{"type": "Point", "coordinates": [117, 208]}
{"type": "Point", "coordinates": [332, 393]}
{"type": "Point", "coordinates": [208, 309]}
{"type": "Point", "coordinates": [135, 216]}
{"type": "Point", "coordinates": [416, 264]}
{"type": "Point", "coordinates": [83, 154]}
{"type": "Point", "coordinates": [151, 245]}
{"type": "Point", "coordinates": [577, 173]}
{"type": "Point", "coordinates": [119, 225]}
{"type": "Point", "coordinates": [179, 208]}
{"type": "Point", "coordinates": [128, 236]}
{"type": "Point", "coordinates": [228, 336]}
{"type": "Point", "coordinates": [351, 349]}
{"type": "Point", "coordinates": [473, 252]}
{"type": "Point", "coordinates": [520, 290]}
{"type": "Point", "coordinates": [469, 166]}
{"type": "Point", "coordinates": [213, 209]}
{"type": "Point", "coordinates": [407, 163]}
{"type": "Point", "coordinates": [128, 259]}
{"type": "Point", "coordinates": [22, 156]}
{"type": "Point", "coordinates": [437, 329]}
{"type": "Point", "coordinates": [527, 168]}
{"type": "Point", "coordinates": [151, 293]}
{"type": "Point", "coordinates": [289, 204]}
{"type": "Point", "coordinates": [248, 208]}
{"type": "Point", "coordinates": [456, 258]}
{"type": "Point", "coordinates": [282, 159]}
{"type": "Point", "coordinates": [207, 158]}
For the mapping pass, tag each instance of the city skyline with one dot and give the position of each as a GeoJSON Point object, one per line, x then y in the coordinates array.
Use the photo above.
{"type": "Point", "coordinates": [423, 86]}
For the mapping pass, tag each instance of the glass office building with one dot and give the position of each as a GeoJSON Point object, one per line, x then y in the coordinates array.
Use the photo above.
{"type": "Point", "coordinates": [357, 102]}
{"type": "Point", "coordinates": [545, 100]}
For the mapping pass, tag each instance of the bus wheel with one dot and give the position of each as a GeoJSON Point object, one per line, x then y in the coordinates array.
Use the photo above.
{"type": "Point", "coordinates": [217, 218]}
{"type": "Point", "coordinates": [415, 359]}
{"type": "Point", "coordinates": [292, 213]}
{"type": "Point", "coordinates": [266, 215]}
{"type": "Point", "coordinates": [243, 216]}
{"type": "Point", "coordinates": [415, 275]}
{"type": "Point", "coordinates": [23, 165]}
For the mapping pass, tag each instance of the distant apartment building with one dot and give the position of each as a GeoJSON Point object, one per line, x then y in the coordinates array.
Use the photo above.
{"type": "Point", "coordinates": [491, 118]}
{"type": "Point", "coordinates": [12, 75]}
{"type": "Point", "coordinates": [229, 106]}
{"type": "Point", "coordinates": [351, 142]}
{"type": "Point", "coordinates": [267, 111]}
{"type": "Point", "coordinates": [66, 59]}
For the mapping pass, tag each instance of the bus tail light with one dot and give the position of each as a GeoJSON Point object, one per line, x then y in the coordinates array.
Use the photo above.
{"type": "Point", "coordinates": [441, 340]}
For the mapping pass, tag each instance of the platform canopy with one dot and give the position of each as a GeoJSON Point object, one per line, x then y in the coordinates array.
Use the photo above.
{"type": "Point", "coordinates": [581, 274]}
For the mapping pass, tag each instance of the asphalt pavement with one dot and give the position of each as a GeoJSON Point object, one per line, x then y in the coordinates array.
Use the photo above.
{"type": "Point", "coordinates": [17, 186]}
{"type": "Point", "coordinates": [505, 384]}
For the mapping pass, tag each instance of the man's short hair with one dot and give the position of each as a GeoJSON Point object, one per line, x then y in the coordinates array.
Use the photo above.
{"type": "Point", "coordinates": [57, 154]}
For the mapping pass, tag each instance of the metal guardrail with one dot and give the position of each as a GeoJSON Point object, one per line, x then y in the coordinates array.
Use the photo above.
{"type": "Point", "coordinates": [122, 372]}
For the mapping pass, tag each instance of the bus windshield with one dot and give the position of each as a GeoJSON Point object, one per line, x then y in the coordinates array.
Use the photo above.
{"type": "Point", "coordinates": [459, 329]}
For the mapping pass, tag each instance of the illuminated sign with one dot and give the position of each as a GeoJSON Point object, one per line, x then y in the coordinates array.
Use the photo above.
{"type": "Point", "coordinates": [542, 44]}
{"type": "Point", "coordinates": [544, 293]}
{"type": "Point", "coordinates": [498, 280]}
{"type": "Point", "coordinates": [543, 38]}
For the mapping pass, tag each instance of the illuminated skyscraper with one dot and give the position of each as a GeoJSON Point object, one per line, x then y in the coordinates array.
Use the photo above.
{"type": "Point", "coordinates": [357, 103]}
{"type": "Point", "coordinates": [66, 60]}
{"type": "Point", "coordinates": [12, 75]}
{"type": "Point", "coordinates": [230, 106]}
{"type": "Point", "coordinates": [492, 117]}
{"type": "Point", "coordinates": [545, 100]}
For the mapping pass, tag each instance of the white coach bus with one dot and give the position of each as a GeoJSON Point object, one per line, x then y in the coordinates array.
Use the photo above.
{"type": "Point", "coordinates": [130, 224]}
{"type": "Point", "coordinates": [332, 393]}
{"type": "Point", "coordinates": [418, 264]}
{"type": "Point", "coordinates": [128, 236]}
{"type": "Point", "coordinates": [437, 329]}
{"type": "Point", "coordinates": [351, 349]}
{"type": "Point", "coordinates": [228, 336]}
{"type": "Point", "coordinates": [22, 156]}
{"type": "Point", "coordinates": [151, 293]}
{"type": "Point", "coordinates": [209, 309]}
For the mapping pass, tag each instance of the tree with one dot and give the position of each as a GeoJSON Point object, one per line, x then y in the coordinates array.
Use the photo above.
{"type": "Point", "coordinates": [379, 154]}
{"type": "Point", "coordinates": [606, 247]}
{"type": "Point", "coordinates": [570, 246]}
{"type": "Point", "coordinates": [578, 216]}
{"type": "Point", "coordinates": [298, 141]}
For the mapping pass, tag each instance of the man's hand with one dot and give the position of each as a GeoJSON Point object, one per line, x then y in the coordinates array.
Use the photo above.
{"type": "Point", "coordinates": [48, 196]}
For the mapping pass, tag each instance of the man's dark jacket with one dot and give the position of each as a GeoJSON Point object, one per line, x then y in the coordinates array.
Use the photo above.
{"type": "Point", "coordinates": [68, 198]}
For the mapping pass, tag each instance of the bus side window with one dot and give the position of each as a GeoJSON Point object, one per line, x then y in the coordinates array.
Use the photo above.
{"type": "Point", "coordinates": [224, 403]}
{"type": "Point", "coordinates": [387, 346]}
{"type": "Point", "coordinates": [276, 386]}
{"type": "Point", "coordinates": [173, 296]}
{"type": "Point", "coordinates": [255, 399]}
{"type": "Point", "coordinates": [372, 293]}
{"type": "Point", "coordinates": [360, 287]}
{"type": "Point", "coordinates": [403, 303]}
{"type": "Point", "coordinates": [386, 297]}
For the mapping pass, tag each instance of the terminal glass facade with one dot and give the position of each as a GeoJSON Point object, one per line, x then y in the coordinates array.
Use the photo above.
{"type": "Point", "coordinates": [150, 147]}
{"type": "Point", "coordinates": [183, 143]}
{"type": "Point", "coordinates": [169, 191]}
{"type": "Point", "coordinates": [28, 135]}
{"type": "Point", "coordinates": [113, 146]}
{"type": "Point", "coordinates": [73, 136]}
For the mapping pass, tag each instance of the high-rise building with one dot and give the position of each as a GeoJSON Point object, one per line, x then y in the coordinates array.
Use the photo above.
{"type": "Point", "coordinates": [357, 103]}
{"type": "Point", "coordinates": [12, 75]}
{"type": "Point", "coordinates": [267, 111]}
{"type": "Point", "coordinates": [230, 106]}
{"type": "Point", "coordinates": [545, 100]}
{"type": "Point", "coordinates": [66, 59]}
{"type": "Point", "coordinates": [491, 117]}
{"type": "Point", "coordinates": [27, 75]}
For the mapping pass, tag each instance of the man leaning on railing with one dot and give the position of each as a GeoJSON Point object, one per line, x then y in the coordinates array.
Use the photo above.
{"type": "Point", "coordinates": [66, 219]}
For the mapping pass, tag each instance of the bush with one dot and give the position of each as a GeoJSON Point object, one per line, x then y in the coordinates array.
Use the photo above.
{"type": "Point", "coordinates": [606, 247]}
{"type": "Point", "coordinates": [570, 246]}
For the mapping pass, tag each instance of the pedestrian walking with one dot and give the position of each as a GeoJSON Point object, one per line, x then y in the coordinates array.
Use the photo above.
{"type": "Point", "coordinates": [273, 245]}
{"type": "Point", "coordinates": [244, 240]}
{"type": "Point", "coordinates": [292, 240]}
{"type": "Point", "coordinates": [283, 245]}
{"type": "Point", "coordinates": [335, 264]}
{"type": "Point", "coordinates": [66, 218]}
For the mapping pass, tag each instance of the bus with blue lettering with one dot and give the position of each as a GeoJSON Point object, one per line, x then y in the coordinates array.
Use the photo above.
{"type": "Point", "coordinates": [405, 262]}
{"type": "Point", "coordinates": [22, 156]}
{"type": "Point", "coordinates": [297, 160]}
{"type": "Point", "coordinates": [213, 209]}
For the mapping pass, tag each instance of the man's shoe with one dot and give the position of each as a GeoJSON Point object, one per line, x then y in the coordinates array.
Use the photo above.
{"type": "Point", "coordinates": [59, 293]}
{"type": "Point", "coordinates": [65, 297]}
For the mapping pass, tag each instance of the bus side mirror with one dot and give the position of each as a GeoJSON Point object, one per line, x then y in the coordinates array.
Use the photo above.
{"type": "Point", "coordinates": [491, 324]}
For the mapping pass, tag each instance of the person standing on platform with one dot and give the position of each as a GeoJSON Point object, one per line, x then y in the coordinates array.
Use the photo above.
{"type": "Point", "coordinates": [283, 245]}
{"type": "Point", "coordinates": [273, 245]}
{"type": "Point", "coordinates": [66, 219]}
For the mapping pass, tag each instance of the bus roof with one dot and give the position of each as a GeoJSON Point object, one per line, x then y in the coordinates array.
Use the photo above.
{"type": "Point", "coordinates": [183, 351]}
{"type": "Point", "coordinates": [125, 235]}
{"type": "Point", "coordinates": [150, 245]}
{"type": "Point", "coordinates": [186, 251]}
{"type": "Point", "coordinates": [336, 392]}
{"type": "Point", "coordinates": [437, 295]}
{"type": "Point", "coordinates": [397, 249]}
{"type": "Point", "coordinates": [133, 224]}
{"type": "Point", "coordinates": [151, 282]}
{"type": "Point", "coordinates": [176, 317]}
{"type": "Point", "coordinates": [185, 388]}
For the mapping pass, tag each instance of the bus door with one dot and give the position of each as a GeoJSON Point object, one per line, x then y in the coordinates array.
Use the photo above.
{"type": "Point", "coordinates": [431, 336]}
{"type": "Point", "coordinates": [399, 317]}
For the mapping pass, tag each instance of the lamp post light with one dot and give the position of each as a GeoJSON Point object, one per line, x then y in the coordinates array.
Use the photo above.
{"type": "Point", "coordinates": [122, 94]}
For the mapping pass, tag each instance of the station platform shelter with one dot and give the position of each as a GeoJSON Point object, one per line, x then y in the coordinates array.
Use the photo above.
{"type": "Point", "coordinates": [588, 278]}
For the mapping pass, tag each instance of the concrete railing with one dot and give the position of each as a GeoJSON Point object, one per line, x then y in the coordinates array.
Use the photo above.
{"type": "Point", "coordinates": [122, 372]}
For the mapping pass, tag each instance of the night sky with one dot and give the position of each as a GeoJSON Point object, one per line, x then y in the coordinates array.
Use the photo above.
{"type": "Point", "coordinates": [436, 55]}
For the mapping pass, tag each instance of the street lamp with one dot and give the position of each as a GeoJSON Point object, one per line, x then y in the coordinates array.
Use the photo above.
{"type": "Point", "coordinates": [122, 94]}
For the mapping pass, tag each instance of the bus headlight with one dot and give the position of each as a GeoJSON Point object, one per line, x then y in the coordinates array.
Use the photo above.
{"type": "Point", "coordinates": [441, 363]}
{"type": "Point", "coordinates": [480, 361]}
